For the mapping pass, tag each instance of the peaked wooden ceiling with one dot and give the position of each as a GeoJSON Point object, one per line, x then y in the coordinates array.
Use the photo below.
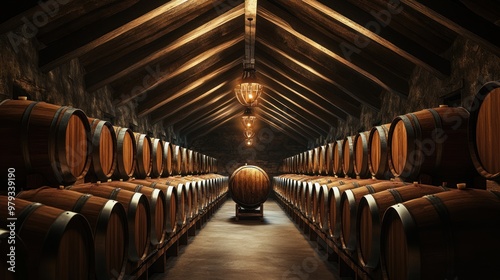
{"type": "Point", "coordinates": [319, 61]}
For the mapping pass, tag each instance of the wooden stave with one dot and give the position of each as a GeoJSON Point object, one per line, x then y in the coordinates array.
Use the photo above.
{"type": "Point", "coordinates": [157, 208]}
{"type": "Point", "coordinates": [485, 92]}
{"type": "Point", "coordinates": [419, 246]}
{"type": "Point", "coordinates": [96, 170]}
{"type": "Point", "coordinates": [377, 203]}
{"type": "Point", "coordinates": [348, 210]}
{"type": "Point", "coordinates": [264, 190]}
{"type": "Point", "coordinates": [44, 240]}
{"type": "Point", "coordinates": [122, 170]}
{"type": "Point", "coordinates": [42, 153]}
{"type": "Point", "coordinates": [98, 220]}
{"type": "Point", "coordinates": [132, 202]}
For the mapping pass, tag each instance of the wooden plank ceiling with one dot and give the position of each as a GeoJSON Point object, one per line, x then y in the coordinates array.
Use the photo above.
{"type": "Point", "coordinates": [319, 61]}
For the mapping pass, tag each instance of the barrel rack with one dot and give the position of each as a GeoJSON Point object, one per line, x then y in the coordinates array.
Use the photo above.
{"type": "Point", "coordinates": [156, 261]}
{"type": "Point", "coordinates": [347, 266]}
{"type": "Point", "coordinates": [242, 212]}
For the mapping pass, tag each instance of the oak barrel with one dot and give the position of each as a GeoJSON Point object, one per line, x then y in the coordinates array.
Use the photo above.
{"type": "Point", "coordinates": [103, 152]}
{"type": "Point", "coordinates": [126, 153]}
{"type": "Point", "coordinates": [338, 158]}
{"type": "Point", "coordinates": [371, 208]}
{"type": "Point", "coordinates": [60, 242]}
{"type": "Point", "coordinates": [138, 215]}
{"type": "Point", "coordinates": [107, 219]}
{"type": "Point", "coordinates": [157, 207]}
{"type": "Point", "coordinates": [348, 156]}
{"type": "Point", "coordinates": [378, 152]}
{"type": "Point", "coordinates": [336, 189]}
{"type": "Point", "coordinates": [249, 186]}
{"type": "Point", "coordinates": [447, 235]}
{"type": "Point", "coordinates": [44, 140]}
{"type": "Point", "coordinates": [143, 159]}
{"type": "Point", "coordinates": [484, 131]}
{"type": "Point", "coordinates": [177, 160]}
{"type": "Point", "coordinates": [170, 193]}
{"type": "Point", "coordinates": [431, 142]}
{"type": "Point", "coordinates": [360, 158]}
{"type": "Point", "coordinates": [157, 156]}
{"type": "Point", "coordinates": [167, 159]}
{"type": "Point", "coordinates": [349, 206]}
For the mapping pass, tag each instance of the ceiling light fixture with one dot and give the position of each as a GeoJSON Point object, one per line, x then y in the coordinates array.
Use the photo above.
{"type": "Point", "coordinates": [248, 88]}
{"type": "Point", "coordinates": [248, 118]}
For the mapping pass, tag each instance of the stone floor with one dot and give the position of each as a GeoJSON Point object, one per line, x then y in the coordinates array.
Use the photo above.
{"type": "Point", "coordinates": [274, 248]}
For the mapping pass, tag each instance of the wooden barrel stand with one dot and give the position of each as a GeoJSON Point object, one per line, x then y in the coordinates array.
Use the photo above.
{"type": "Point", "coordinates": [243, 212]}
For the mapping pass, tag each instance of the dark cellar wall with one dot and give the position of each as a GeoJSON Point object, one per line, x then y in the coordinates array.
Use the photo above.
{"type": "Point", "coordinates": [471, 67]}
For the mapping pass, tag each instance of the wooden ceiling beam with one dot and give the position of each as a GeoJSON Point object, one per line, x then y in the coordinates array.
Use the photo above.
{"type": "Point", "coordinates": [275, 87]}
{"type": "Point", "coordinates": [457, 17]}
{"type": "Point", "coordinates": [310, 120]}
{"type": "Point", "coordinates": [88, 38]}
{"type": "Point", "coordinates": [171, 71]}
{"type": "Point", "coordinates": [287, 121]}
{"type": "Point", "coordinates": [414, 53]}
{"type": "Point", "coordinates": [204, 81]}
{"type": "Point", "coordinates": [302, 34]}
{"type": "Point", "coordinates": [193, 109]}
{"type": "Point", "coordinates": [151, 54]}
{"type": "Point", "coordinates": [299, 93]}
{"type": "Point", "coordinates": [335, 98]}
{"type": "Point", "coordinates": [202, 115]}
{"type": "Point", "coordinates": [301, 139]}
{"type": "Point", "coordinates": [223, 114]}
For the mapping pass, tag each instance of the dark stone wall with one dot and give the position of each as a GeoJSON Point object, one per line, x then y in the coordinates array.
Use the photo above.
{"type": "Point", "coordinates": [20, 75]}
{"type": "Point", "coordinates": [471, 67]}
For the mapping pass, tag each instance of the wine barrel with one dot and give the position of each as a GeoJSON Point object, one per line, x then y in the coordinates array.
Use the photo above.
{"type": "Point", "coordinates": [371, 208]}
{"type": "Point", "coordinates": [157, 155]}
{"type": "Point", "coordinates": [431, 142]}
{"type": "Point", "coordinates": [348, 156]}
{"type": "Point", "coordinates": [157, 208]}
{"type": "Point", "coordinates": [360, 158]}
{"type": "Point", "coordinates": [249, 186]}
{"type": "Point", "coordinates": [143, 160]}
{"type": "Point", "coordinates": [138, 215]}
{"type": "Point", "coordinates": [338, 158]}
{"type": "Point", "coordinates": [167, 159]}
{"type": "Point", "coordinates": [177, 160]}
{"type": "Point", "coordinates": [447, 235]}
{"type": "Point", "coordinates": [13, 265]}
{"type": "Point", "coordinates": [348, 210]}
{"type": "Point", "coordinates": [44, 140]}
{"type": "Point", "coordinates": [378, 152]}
{"type": "Point", "coordinates": [103, 152]}
{"type": "Point", "coordinates": [126, 153]}
{"type": "Point", "coordinates": [483, 133]}
{"type": "Point", "coordinates": [329, 158]}
{"type": "Point", "coordinates": [336, 189]}
{"type": "Point", "coordinates": [190, 196]}
{"type": "Point", "coordinates": [60, 242]}
{"type": "Point", "coordinates": [107, 219]}
{"type": "Point", "coordinates": [170, 193]}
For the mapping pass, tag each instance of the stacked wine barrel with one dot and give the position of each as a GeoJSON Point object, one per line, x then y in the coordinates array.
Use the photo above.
{"type": "Point", "coordinates": [426, 212]}
{"type": "Point", "coordinates": [91, 200]}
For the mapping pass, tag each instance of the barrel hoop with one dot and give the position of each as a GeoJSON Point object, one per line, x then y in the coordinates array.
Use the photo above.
{"type": "Point", "coordinates": [53, 144]}
{"type": "Point", "coordinates": [153, 185]}
{"type": "Point", "coordinates": [444, 215]}
{"type": "Point", "coordinates": [439, 144]}
{"type": "Point", "coordinates": [355, 185]}
{"type": "Point", "coordinates": [138, 188]}
{"type": "Point", "coordinates": [341, 183]}
{"type": "Point", "coordinates": [370, 188]}
{"type": "Point", "coordinates": [25, 213]}
{"type": "Point", "coordinates": [25, 136]}
{"type": "Point", "coordinates": [396, 195]}
{"type": "Point", "coordinates": [81, 202]}
{"type": "Point", "coordinates": [114, 193]}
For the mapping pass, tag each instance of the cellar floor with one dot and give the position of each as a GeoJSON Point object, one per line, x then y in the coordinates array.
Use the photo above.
{"type": "Point", "coordinates": [249, 249]}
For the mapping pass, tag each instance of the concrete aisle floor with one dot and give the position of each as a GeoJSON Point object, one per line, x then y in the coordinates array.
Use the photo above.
{"type": "Point", "coordinates": [249, 249]}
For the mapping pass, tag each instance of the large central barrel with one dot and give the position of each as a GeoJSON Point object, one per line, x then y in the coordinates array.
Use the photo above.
{"type": "Point", "coordinates": [249, 186]}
